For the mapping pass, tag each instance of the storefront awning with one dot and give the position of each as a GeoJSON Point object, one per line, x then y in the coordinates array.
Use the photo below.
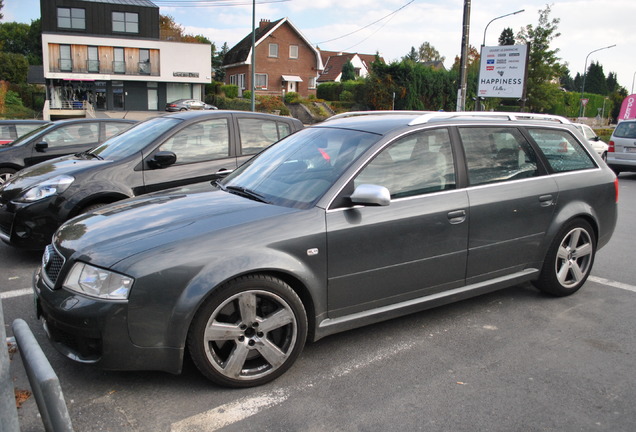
{"type": "Point", "coordinates": [292, 78]}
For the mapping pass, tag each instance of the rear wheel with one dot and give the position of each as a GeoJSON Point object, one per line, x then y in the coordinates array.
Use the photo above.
{"type": "Point", "coordinates": [569, 260]}
{"type": "Point", "coordinates": [6, 174]}
{"type": "Point", "coordinates": [249, 332]}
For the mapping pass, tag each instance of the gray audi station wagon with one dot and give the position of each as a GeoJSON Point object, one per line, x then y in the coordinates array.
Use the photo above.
{"type": "Point", "coordinates": [341, 225]}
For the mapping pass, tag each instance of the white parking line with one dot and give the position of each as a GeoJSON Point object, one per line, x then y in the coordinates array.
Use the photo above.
{"type": "Point", "coordinates": [16, 293]}
{"type": "Point", "coordinates": [612, 283]}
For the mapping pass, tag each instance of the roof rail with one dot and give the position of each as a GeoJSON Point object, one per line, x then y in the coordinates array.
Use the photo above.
{"type": "Point", "coordinates": [366, 113]}
{"type": "Point", "coordinates": [488, 114]}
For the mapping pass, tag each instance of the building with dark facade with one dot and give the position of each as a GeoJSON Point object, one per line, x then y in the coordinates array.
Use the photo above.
{"type": "Point", "coordinates": [107, 55]}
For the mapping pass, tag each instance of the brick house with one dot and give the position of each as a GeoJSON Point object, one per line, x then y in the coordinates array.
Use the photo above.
{"type": "Point", "coordinates": [107, 55]}
{"type": "Point", "coordinates": [334, 61]}
{"type": "Point", "coordinates": [285, 61]}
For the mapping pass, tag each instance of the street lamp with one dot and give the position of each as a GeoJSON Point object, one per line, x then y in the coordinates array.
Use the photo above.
{"type": "Point", "coordinates": [633, 83]}
{"type": "Point", "coordinates": [581, 112]}
{"type": "Point", "coordinates": [511, 13]}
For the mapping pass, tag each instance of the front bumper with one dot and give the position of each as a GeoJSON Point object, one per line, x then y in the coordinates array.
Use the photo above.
{"type": "Point", "coordinates": [93, 331]}
{"type": "Point", "coordinates": [29, 225]}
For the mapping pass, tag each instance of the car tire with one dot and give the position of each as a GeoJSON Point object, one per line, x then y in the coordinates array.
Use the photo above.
{"type": "Point", "coordinates": [6, 174]}
{"type": "Point", "coordinates": [91, 207]}
{"type": "Point", "coordinates": [569, 260]}
{"type": "Point", "coordinates": [249, 332]}
{"type": "Point", "coordinates": [183, 109]}
{"type": "Point", "coordinates": [604, 157]}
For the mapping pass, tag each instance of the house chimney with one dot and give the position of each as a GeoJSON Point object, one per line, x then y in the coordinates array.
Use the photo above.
{"type": "Point", "coordinates": [263, 23]}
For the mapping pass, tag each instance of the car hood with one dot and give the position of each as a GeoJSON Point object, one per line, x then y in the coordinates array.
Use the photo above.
{"type": "Point", "coordinates": [30, 176]}
{"type": "Point", "coordinates": [118, 231]}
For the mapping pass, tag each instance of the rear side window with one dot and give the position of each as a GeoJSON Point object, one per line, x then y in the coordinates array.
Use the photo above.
{"type": "Point", "coordinates": [7, 133]}
{"type": "Point", "coordinates": [625, 130]}
{"type": "Point", "coordinates": [495, 154]}
{"type": "Point", "coordinates": [563, 152]}
{"type": "Point", "coordinates": [111, 129]}
{"type": "Point", "coordinates": [256, 134]}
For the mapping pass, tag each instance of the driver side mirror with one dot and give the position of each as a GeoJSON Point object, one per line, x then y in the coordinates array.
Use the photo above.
{"type": "Point", "coordinates": [369, 194]}
{"type": "Point", "coordinates": [162, 159]}
{"type": "Point", "coordinates": [41, 146]}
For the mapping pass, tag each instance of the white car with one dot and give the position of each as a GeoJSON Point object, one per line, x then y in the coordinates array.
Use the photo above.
{"type": "Point", "coordinates": [599, 146]}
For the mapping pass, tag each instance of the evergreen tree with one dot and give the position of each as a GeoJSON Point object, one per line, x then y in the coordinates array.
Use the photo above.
{"type": "Point", "coordinates": [348, 72]}
{"type": "Point", "coordinates": [595, 81]}
{"type": "Point", "coordinates": [612, 82]}
{"type": "Point", "coordinates": [507, 37]}
{"type": "Point", "coordinates": [412, 55]}
{"type": "Point", "coordinates": [544, 69]}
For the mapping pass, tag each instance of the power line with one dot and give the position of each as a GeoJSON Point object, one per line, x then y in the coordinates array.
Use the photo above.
{"type": "Point", "coordinates": [211, 3]}
{"type": "Point", "coordinates": [368, 25]}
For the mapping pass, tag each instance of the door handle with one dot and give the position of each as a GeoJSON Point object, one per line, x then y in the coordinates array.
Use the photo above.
{"type": "Point", "coordinates": [546, 200]}
{"type": "Point", "coordinates": [457, 216]}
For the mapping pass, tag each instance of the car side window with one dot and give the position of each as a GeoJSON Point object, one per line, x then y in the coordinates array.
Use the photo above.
{"type": "Point", "coordinates": [7, 133]}
{"type": "Point", "coordinates": [198, 142]}
{"type": "Point", "coordinates": [256, 134]}
{"type": "Point", "coordinates": [111, 129]}
{"type": "Point", "coordinates": [563, 152]}
{"type": "Point", "coordinates": [82, 133]}
{"type": "Point", "coordinates": [497, 154]}
{"type": "Point", "coordinates": [416, 164]}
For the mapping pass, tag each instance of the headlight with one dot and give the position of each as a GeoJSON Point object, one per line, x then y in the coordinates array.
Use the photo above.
{"type": "Point", "coordinates": [96, 282]}
{"type": "Point", "coordinates": [44, 189]}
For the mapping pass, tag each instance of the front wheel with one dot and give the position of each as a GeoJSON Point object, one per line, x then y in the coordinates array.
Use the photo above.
{"type": "Point", "coordinates": [6, 174]}
{"type": "Point", "coordinates": [569, 260]}
{"type": "Point", "coordinates": [249, 332]}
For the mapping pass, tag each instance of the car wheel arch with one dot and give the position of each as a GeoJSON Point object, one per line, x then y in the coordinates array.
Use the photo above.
{"type": "Point", "coordinates": [94, 200]}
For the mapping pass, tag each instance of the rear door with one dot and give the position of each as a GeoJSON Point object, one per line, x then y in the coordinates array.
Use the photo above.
{"type": "Point", "coordinates": [203, 148]}
{"type": "Point", "coordinates": [67, 139]}
{"type": "Point", "coordinates": [255, 133]}
{"type": "Point", "coordinates": [511, 201]}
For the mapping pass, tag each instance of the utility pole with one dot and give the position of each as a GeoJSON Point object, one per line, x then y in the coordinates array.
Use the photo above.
{"type": "Point", "coordinates": [463, 68]}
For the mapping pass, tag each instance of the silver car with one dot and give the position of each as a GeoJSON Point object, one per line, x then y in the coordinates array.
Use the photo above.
{"type": "Point", "coordinates": [595, 141]}
{"type": "Point", "coordinates": [621, 155]}
{"type": "Point", "coordinates": [340, 225]}
{"type": "Point", "coordinates": [188, 104]}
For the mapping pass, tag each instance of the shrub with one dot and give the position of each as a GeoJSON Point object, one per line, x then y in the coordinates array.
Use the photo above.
{"type": "Point", "coordinates": [291, 97]}
{"type": "Point", "coordinates": [230, 91]}
{"type": "Point", "coordinates": [346, 96]}
{"type": "Point", "coordinates": [247, 94]}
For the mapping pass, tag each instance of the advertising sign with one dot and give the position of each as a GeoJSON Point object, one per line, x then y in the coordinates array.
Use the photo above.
{"type": "Point", "coordinates": [628, 108]}
{"type": "Point", "coordinates": [502, 71]}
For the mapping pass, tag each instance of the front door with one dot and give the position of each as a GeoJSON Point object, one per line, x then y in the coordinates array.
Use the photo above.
{"type": "Point", "coordinates": [416, 245]}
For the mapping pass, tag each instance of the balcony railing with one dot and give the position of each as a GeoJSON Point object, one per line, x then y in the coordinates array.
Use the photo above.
{"type": "Point", "coordinates": [66, 65]}
{"type": "Point", "coordinates": [119, 67]}
{"type": "Point", "coordinates": [92, 66]}
{"type": "Point", "coordinates": [144, 68]}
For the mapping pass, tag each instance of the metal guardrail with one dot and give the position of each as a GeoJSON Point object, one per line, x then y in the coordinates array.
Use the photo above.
{"type": "Point", "coordinates": [8, 410]}
{"type": "Point", "coordinates": [44, 382]}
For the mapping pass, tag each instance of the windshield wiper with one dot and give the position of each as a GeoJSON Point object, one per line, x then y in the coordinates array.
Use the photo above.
{"type": "Point", "coordinates": [246, 193]}
{"type": "Point", "coordinates": [87, 154]}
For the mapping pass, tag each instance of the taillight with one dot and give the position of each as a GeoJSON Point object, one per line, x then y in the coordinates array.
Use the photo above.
{"type": "Point", "coordinates": [610, 147]}
{"type": "Point", "coordinates": [616, 189]}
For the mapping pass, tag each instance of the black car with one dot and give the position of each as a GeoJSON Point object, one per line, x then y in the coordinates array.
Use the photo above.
{"type": "Point", "coordinates": [55, 139]}
{"type": "Point", "coordinates": [11, 130]}
{"type": "Point", "coordinates": [160, 153]}
{"type": "Point", "coordinates": [340, 225]}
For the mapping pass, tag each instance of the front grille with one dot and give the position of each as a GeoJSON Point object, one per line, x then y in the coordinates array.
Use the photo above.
{"type": "Point", "coordinates": [52, 263]}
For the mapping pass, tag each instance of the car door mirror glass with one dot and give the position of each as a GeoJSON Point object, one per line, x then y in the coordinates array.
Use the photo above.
{"type": "Point", "coordinates": [163, 159]}
{"type": "Point", "coordinates": [368, 194]}
{"type": "Point", "coordinates": [41, 146]}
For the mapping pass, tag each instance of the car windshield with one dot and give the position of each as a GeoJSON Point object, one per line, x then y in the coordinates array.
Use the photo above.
{"type": "Point", "coordinates": [26, 137]}
{"type": "Point", "coordinates": [134, 139]}
{"type": "Point", "coordinates": [298, 170]}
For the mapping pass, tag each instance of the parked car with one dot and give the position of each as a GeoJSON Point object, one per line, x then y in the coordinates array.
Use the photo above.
{"type": "Point", "coordinates": [597, 144]}
{"type": "Point", "coordinates": [340, 225]}
{"type": "Point", "coordinates": [188, 104]}
{"type": "Point", "coordinates": [160, 153]}
{"type": "Point", "coordinates": [55, 139]}
{"type": "Point", "coordinates": [11, 130]}
{"type": "Point", "coordinates": [621, 155]}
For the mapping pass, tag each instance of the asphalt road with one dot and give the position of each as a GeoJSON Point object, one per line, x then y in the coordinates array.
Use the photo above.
{"type": "Point", "coordinates": [514, 360]}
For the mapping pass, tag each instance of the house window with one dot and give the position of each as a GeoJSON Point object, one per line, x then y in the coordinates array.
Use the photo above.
{"type": "Point", "coordinates": [71, 18]}
{"type": "Point", "coordinates": [260, 81]}
{"type": "Point", "coordinates": [241, 81]}
{"type": "Point", "coordinates": [126, 22]}
{"type": "Point", "coordinates": [312, 82]}
{"type": "Point", "coordinates": [144, 61]}
{"type": "Point", "coordinates": [92, 64]}
{"type": "Point", "coordinates": [119, 61]}
{"type": "Point", "coordinates": [233, 79]}
{"type": "Point", "coordinates": [273, 50]}
{"type": "Point", "coordinates": [66, 60]}
{"type": "Point", "coordinates": [293, 51]}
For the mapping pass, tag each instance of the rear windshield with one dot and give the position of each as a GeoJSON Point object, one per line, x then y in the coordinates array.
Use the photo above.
{"type": "Point", "coordinates": [625, 130]}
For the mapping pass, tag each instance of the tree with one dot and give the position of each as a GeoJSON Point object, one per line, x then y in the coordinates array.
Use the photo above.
{"type": "Point", "coordinates": [544, 69]}
{"type": "Point", "coordinates": [612, 82]}
{"type": "Point", "coordinates": [217, 62]}
{"type": "Point", "coordinates": [566, 80]}
{"type": "Point", "coordinates": [13, 68]}
{"type": "Point", "coordinates": [595, 81]}
{"type": "Point", "coordinates": [507, 37]}
{"type": "Point", "coordinates": [412, 55]}
{"type": "Point", "coordinates": [25, 39]}
{"type": "Point", "coordinates": [1, 6]}
{"type": "Point", "coordinates": [427, 52]}
{"type": "Point", "coordinates": [348, 72]}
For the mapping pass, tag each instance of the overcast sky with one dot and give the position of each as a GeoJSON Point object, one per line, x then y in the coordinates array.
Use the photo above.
{"type": "Point", "coordinates": [372, 26]}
